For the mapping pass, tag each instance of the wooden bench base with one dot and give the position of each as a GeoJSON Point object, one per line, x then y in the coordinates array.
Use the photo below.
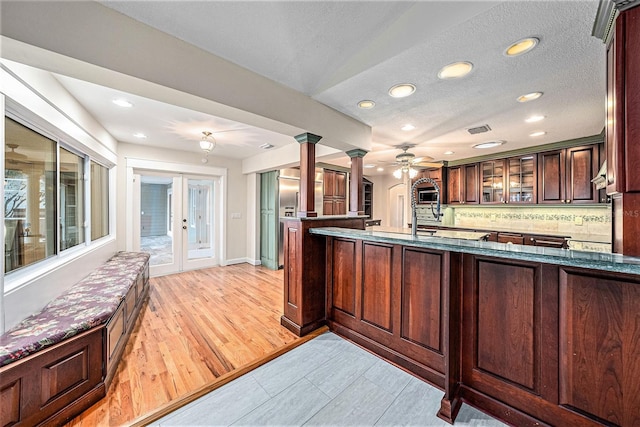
{"type": "Point", "coordinates": [54, 385]}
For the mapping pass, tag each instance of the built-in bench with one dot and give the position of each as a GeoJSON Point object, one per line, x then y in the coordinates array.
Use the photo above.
{"type": "Point", "coordinates": [58, 362]}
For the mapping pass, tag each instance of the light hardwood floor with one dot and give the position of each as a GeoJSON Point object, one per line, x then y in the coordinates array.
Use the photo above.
{"type": "Point", "coordinates": [196, 327]}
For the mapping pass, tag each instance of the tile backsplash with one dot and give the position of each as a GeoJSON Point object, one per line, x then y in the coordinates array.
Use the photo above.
{"type": "Point", "coordinates": [589, 223]}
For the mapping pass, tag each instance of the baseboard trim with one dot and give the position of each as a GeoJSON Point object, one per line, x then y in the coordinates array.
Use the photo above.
{"type": "Point", "coordinates": [241, 261]}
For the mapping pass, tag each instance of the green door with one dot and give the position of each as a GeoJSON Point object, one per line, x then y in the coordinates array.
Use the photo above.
{"type": "Point", "coordinates": [269, 219]}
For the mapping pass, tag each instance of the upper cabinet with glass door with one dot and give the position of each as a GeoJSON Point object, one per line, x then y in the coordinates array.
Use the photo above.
{"type": "Point", "coordinates": [492, 181]}
{"type": "Point", "coordinates": [521, 179]}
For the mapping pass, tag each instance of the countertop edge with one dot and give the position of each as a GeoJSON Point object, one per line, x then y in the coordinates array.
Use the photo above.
{"type": "Point", "coordinates": [565, 257]}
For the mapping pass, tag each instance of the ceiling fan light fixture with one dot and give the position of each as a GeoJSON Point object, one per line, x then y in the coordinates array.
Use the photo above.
{"type": "Point", "coordinates": [366, 104]}
{"type": "Point", "coordinates": [402, 90]}
{"type": "Point", "coordinates": [208, 142]}
{"type": "Point", "coordinates": [521, 46]}
{"type": "Point", "coordinates": [455, 70]}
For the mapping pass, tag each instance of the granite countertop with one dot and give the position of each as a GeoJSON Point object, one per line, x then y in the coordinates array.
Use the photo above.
{"type": "Point", "coordinates": [449, 234]}
{"type": "Point", "coordinates": [566, 257]}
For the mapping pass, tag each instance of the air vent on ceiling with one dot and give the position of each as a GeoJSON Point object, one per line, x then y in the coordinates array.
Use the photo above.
{"type": "Point", "coordinates": [479, 129]}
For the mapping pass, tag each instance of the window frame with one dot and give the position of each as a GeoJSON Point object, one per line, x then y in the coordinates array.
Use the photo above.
{"type": "Point", "coordinates": [21, 276]}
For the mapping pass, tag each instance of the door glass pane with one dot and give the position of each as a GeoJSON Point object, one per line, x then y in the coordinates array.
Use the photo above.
{"type": "Point", "coordinates": [156, 215]}
{"type": "Point", "coordinates": [29, 196]}
{"type": "Point", "coordinates": [71, 199]}
{"type": "Point", "coordinates": [99, 201]}
{"type": "Point", "coordinates": [200, 218]}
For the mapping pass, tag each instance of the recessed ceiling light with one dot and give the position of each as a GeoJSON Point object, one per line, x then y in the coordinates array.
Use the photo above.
{"type": "Point", "coordinates": [448, 153]}
{"type": "Point", "coordinates": [140, 135]}
{"type": "Point", "coordinates": [455, 70]}
{"type": "Point", "coordinates": [534, 119]}
{"type": "Point", "coordinates": [366, 104]}
{"type": "Point", "coordinates": [369, 166]}
{"type": "Point", "coordinates": [265, 146]}
{"type": "Point", "coordinates": [489, 144]}
{"type": "Point", "coordinates": [529, 96]}
{"type": "Point", "coordinates": [521, 46]}
{"type": "Point", "coordinates": [402, 90]}
{"type": "Point", "coordinates": [380, 169]}
{"type": "Point", "coordinates": [122, 103]}
{"type": "Point", "coordinates": [540, 133]}
{"type": "Point", "coordinates": [408, 127]}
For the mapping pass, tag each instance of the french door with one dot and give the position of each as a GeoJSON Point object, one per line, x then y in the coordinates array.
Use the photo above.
{"type": "Point", "coordinates": [177, 221]}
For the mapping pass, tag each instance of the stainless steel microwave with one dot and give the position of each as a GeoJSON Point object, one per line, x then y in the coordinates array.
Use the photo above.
{"type": "Point", "coordinates": [427, 195]}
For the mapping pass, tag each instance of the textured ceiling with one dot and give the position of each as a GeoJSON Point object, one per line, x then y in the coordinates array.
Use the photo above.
{"type": "Point", "coordinates": [342, 52]}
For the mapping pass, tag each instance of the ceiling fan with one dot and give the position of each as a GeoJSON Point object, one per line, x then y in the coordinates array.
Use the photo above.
{"type": "Point", "coordinates": [409, 160]}
{"type": "Point", "coordinates": [13, 157]}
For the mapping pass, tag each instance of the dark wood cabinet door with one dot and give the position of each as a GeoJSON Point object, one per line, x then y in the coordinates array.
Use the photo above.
{"type": "Point", "coordinates": [623, 106]}
{"type": "Point", "coordinates": [327, 207]}
{"type": "Point", "coordinates": [340, 206]}
{"type": "Point", "coordinates": [520, 179]}
{"type": "Point", "coordinates": [340, 184]}
{"type": "Point", "coordinates": [582, 166]}
{"type": "Point", "coordinates": [329, 183]}
{"type": "Point", "coordinates": [471, 184]}
{"type": "Point", "coordinates": [454, 180]}
{"type": "Point", "coordinates": [600, 343]}
{"type": "Point", "coordinates": [492, 182]}
{"type": "Point", "coordinates": [613, 138]}
{"type": "Point", "coordinates": [509, 328]}
{"type": "Point", "coordinates": [551, 177]}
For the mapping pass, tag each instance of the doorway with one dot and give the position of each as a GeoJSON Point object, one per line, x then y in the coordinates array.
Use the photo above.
{"type": "Point", "coordinates": [177, 221]}
{"type": "Point", "coordinates": [396, 203]}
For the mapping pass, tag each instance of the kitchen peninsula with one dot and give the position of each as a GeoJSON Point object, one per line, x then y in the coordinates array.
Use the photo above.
{"type": "Point", "coordinates": [529, 334]}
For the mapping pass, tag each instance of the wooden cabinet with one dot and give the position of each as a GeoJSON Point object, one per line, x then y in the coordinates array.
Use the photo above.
{"type": "Point", "coordinates": [520, 179]}
{"type": "Point", "coordinates": [514, 238]}
{"type": "Point", "coordinates": [462, 185]}
{"type": "Point", "coordinates": [397, 306]}
{"type": "Point", "coordinates": [623, 108]}
{"type": "Point", "coordinates": [564, 176]}
{"type": "Point", "coordinates": [439, 175]}
{"type": "Point", "coordinates": [623, 132]}
{"type": "Point", "coordinates": [334, 200]}
{"type": "Point", "coordinates": [492, 181]}
{"type": "Point", "coordinates": [367, 192]}
{"type": "Point", "coordinates": [509, 342]}
{"type": "Point", "coordinates": [546, 241]}
{"type": "Point", "coordinates": [551, 344]}
{"type": "Point", "coordinates": [304, 272]}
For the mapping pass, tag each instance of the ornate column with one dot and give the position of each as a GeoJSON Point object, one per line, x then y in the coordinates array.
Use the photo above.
{"type": "Point", "coordinates": [307, 143]}
{"type": "Point", "coordinates": [356, 196]}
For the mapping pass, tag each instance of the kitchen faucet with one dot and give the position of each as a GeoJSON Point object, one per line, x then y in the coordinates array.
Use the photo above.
{"type": "Point", "coordinates": [436, 213]}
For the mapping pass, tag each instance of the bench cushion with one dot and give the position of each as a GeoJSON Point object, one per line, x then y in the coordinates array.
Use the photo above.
{"type": "Point", "coordinates": [87, 304]}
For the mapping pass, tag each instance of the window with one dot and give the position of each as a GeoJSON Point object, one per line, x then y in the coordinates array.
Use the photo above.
{"type": "Point", "coordinates": [34, 190]}
{"type": "Point", "coordinates": [71, 199]}
{"type": "Point", "coordinates": [30, 196]}
{"type": "Point", "coordinates": [99, 201]}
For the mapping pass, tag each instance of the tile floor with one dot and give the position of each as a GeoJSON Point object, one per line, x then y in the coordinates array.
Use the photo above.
{"type": "Point", "coordinates": [327, 381]}
{"type": "Point", "coordinates": [159, 247]}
